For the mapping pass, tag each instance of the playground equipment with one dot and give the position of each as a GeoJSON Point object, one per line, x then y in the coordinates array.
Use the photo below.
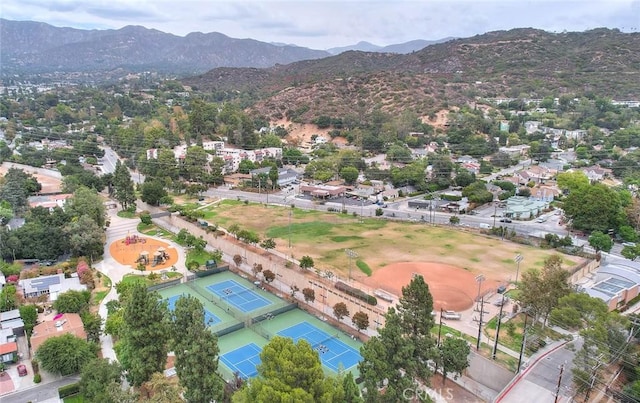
{"type": "Point", "coordinates": [143, 258]}
{"type": "Point", "coordinates": [159, 256]}
{"type": "Point", "coordinates": [132, 239]}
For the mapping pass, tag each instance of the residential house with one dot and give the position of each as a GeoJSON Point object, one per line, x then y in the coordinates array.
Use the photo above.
{"type": "Point", "coordinates": [322, 191]}
{"type": "Point", "coordinates": [532, 126]}
{"type": "Point", "coordinates": [12, 322]}
{"type": "Point", "coordinates": [49, 201]}
{"type": "Point", "coordinates": [535, 173]}
{"type": "Point", "coordinates": [52, 286]}
{"type": "Point", "coordinates": [596, 173]}
{"type": "Point", "coordinates": [11, 326]}
{"type": "Point", "coordinates": [516, 151]}
{"type": "Point", "coordinates": [67, 323]}
{"type": "Point", "coordinates": [285, 176]}
{"type": "Point", "coordinates": [465, 159]}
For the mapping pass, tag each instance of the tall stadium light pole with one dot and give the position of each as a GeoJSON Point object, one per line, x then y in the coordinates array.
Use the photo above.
{"type": "Point", "coordinates": [351, 255]}
{"type": "Point", "coordinates": [480, 323]}
{"type": "Point", "coordinates": [495, 212]}
{"type": "Point", "coordinates": [518, 259]}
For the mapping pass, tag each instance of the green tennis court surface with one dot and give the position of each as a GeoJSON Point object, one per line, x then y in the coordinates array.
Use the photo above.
{"type": "Point", "coordinates": [239, 296]}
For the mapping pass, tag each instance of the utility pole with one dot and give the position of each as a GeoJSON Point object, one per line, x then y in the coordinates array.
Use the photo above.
{"type": "Point", "coordinates": [480, 322]}
{"type": "Point", "coordinates": [438, 342]}
{"type": "Point", "coordinates": [495, 345]}
{"type": "Point", "coordinates": [495, 211]}
{"type": "Point", "coordinates": [559, 382]}
{"type": "Point", "coordinates": [479, 280]}
{"type": "Point", "coordinates": [524, 341]}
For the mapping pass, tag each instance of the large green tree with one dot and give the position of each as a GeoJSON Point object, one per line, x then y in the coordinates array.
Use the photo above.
{"type": "Point", "coordinates": [66, 354]}
{"type": "Point", "coordinates": [96, 377]}
{"type": "Point", "coordinates": [86, 202]}
{"type": "Point", "coordinates": [84, 237]}
{"type": "Point", "coordinates": [540, 290]}
{"type": "Point", "coordinates": [415, 309]}
{"type": "Point", "coordinates": [153, 192]}
{"type": "Point", "coordinates": [124, 191]}
{"type": "Point", "coordinates": [594, 208]}
{"type": "Point", "coordinates": [600, 241]}
{"type": "Point", "coordinates": [195, 161]}
{"type": "Point", "coordinates": [454, 356]}
{"type": "Point", "coordinates": [196, 350]}
{"type": "Point", "coordinates": [144, 337]}
{"type": "Point", "coordinates": [16, 186]}
{"type": "Point", "coordinates": [72, 301]}
{"type": "Point", "coordinates": [384, 358]}
{"type": "Point", "coordinates": [290, 372]}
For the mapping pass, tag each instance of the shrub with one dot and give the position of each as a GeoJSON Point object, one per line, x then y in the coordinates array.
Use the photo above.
{"type": "Point", "coordinates": [69, 390]}
{"type": "Point", "coordinates": [37, 378]}
{"type": "Point", "coordinates": [13, 278]}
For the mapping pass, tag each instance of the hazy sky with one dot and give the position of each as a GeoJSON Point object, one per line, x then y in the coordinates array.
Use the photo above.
{"type": "Point", "coordinates": [325, 24]}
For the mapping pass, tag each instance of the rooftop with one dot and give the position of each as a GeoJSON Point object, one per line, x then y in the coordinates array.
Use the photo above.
{"type": "Point", "coordinates": [68, 323]}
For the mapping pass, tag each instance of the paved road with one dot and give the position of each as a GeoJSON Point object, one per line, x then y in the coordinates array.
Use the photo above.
{"type": "Point", "coordinates": [539, 383]}
{"type": "Point", "coordinates": [47, 392]}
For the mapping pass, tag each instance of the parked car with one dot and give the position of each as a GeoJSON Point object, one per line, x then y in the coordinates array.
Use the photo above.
{"type": "Point", "coordinates": [629, 244]}
{"type": "Point", "coordinates": [507, 220]}
{"type": "Point", "coordinates": [22, 370]}
{"type": "Point", "coordinates": [452, 315]}
{"type": "Point", "coordinates": [501, 301]}
{"type": "Point", "coordinates": [502, 289]}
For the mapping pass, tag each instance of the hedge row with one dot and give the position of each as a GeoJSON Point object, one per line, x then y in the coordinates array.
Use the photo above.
{"type": "Point", "coordinates": [68, 390]}
{"type": "Point", "coordinates": [354, 292]}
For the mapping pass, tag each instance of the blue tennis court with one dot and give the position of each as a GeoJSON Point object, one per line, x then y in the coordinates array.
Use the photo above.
{"type": "Point", "coordinates": [209, 318]}
{"type": "Point", "coordinates": [333, 352]}
{"type": "Point", "coordinates": [238, 295]}
{"type": "Point", "coordinates": [243, 360]}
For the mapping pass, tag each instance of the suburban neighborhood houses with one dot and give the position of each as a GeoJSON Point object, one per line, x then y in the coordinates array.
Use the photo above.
{"type": "Point", "coordinates": [386, 233]}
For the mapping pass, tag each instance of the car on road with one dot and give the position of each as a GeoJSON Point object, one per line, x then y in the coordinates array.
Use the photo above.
{"type": "Point", "coordinates": [541, 220]}
{"type": "Point", "coordinates": [507, 220]}
{"type": "Point", "coordinates": [629, 244]}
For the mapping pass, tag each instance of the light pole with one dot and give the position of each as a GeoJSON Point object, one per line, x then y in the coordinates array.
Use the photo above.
{"type": "Point", "coordinates": [351, 255]}
{"type": "Point", "coordinates": [518, 259]}
{"type": "Point", "coordinates": [495, 212]}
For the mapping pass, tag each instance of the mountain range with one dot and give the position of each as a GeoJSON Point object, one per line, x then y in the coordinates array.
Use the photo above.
{"type": "Point", "coordinates": [35, 47]}
{"type": "Point", "coordinates": [403, 48]}
{"type": "Point", "coordinates": [526, 62]}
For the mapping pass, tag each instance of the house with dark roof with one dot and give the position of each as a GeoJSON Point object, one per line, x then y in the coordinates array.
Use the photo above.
{"type": "Point", "coordinates": [52, 286]}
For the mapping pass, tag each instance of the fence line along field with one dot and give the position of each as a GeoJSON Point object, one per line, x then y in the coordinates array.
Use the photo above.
{"type": "Point", "coordinates": [378, 242]}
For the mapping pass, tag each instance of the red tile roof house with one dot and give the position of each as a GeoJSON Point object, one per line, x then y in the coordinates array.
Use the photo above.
{"type": "Point", "coordinates": [67, 323]}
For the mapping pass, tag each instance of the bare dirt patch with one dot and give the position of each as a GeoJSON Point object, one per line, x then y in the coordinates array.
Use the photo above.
{"type": "Point", "coordinates": [128, 254]}
{"type": "Point", "coordinates": [49, 184]}
{"type": "Point", "coordinates": [452, 288]}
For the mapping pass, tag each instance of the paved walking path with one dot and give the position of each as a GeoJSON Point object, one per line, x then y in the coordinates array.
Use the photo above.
{"type": "Point", "coordinates": [118, 229]}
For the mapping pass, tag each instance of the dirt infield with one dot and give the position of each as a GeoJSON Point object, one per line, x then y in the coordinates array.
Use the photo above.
{"type": "Point", "coordinates": [452, 288]}
{"type": "Point", "coordinates": [128, 254]}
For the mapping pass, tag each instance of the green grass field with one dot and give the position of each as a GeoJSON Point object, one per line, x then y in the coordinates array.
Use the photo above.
{"type": "Point", "coordinates": [378, 242]}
